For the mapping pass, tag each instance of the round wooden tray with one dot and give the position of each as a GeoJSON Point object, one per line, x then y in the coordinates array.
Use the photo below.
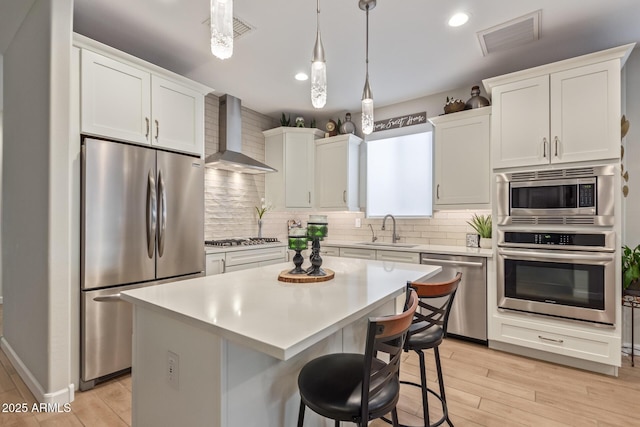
{"type": "Point", "coordinates": [284, 276]}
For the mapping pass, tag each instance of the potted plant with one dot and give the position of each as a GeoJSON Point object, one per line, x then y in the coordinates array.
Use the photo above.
{"type": "Point", "coordinates": [482, 225]}
{"type": "Point", "coordinates": [631, 270]}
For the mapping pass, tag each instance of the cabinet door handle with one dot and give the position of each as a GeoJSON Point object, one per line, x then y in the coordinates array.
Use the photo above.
{"type": "Point", "coordinates": [544, 147]}
{"type": "Point", "coordinates": [146, 119]}
{"type": "Point", "coordinates": [309, 197]}
{"type": "Point", "coordinates": [438, 191]}
{"type": "Point", "coordinates": [344, 196]}
{"type": "Point", "coordinates": [224, 266]}
{"type": "Point", "coordinates": [556, 144]}
{"type": "Point", "coordinates": [550, 339]}
{"type": "Point", "coordinates": [157, 130]}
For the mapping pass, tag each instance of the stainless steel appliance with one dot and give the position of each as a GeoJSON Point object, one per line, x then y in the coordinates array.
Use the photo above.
{"type": "Point", "coordinates": [142, 224]}
{"type": "Point", "coordinates": [563, 274]}
{"type": "Point", "coordinates": [468, 317]}
{"type": "Point", "coordinates": [579, 196]}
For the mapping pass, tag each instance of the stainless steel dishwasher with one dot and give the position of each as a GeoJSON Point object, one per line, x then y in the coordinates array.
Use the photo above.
{"type": "Point", "coordinates": [468, 317]}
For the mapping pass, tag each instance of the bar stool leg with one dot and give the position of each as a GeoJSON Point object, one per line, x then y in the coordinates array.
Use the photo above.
{"type": "Point", "coordinates": [436, 352]}
{"type": "Point", "coordinates": [423, 382]}
{"type": "Point", "coordinates": [301, 414]}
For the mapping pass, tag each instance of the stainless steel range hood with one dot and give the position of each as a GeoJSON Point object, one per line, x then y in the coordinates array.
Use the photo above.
{"type": "Point", "coordinates": [230, 157]}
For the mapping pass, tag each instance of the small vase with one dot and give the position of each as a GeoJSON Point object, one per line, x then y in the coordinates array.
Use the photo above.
{"type": "Point", "coordinates": [260, 228]}
{"type": "Point", "coordinates": [486, 242]}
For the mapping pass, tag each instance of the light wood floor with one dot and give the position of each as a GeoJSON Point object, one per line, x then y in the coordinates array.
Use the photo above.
{"type": "Point", "coordinates": [484, 388]}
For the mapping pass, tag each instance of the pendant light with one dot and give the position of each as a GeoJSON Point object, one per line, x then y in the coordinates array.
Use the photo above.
{"type": "Point", "coordinates": [222, 28]}
{"type": "Point", "coordinates": [367, 97]}
{"type": "Point", "coordinates": [318, 68]}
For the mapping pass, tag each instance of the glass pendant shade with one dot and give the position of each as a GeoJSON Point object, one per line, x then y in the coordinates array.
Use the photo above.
{"type": "Point", "coordinates": [318, 84]}
{"type": "Point", "coordinates": [318, 68]}
{"type": "Point", "coordinates": [367, 116]}
{"type": "Point", "coordinates": [222, 28]}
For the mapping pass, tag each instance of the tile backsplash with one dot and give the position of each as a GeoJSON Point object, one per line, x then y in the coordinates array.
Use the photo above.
{"type": "Point", "coordinates": [444, 228]}
{"type": "Point", "coordinates": [231, 198]}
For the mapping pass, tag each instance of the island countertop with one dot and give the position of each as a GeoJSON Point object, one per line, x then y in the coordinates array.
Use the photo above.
{"type": "Point", "coordinates": [254, 309]}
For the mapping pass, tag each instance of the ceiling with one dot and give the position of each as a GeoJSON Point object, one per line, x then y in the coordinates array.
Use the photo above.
{"type": "Point", "coordinates": [412, 51]}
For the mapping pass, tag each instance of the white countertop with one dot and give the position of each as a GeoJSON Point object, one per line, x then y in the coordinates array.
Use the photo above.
{"type": "Point", "coordinates": [400, 247]}
{"type": "Point", "coordinates": [253, 308]}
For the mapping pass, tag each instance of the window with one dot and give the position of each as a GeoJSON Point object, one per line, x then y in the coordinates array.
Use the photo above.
{"type": "Point", "coordinates": [399, 175]}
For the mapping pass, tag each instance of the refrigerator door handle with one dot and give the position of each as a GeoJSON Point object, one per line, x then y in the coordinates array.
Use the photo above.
{"type": "Point", "coordinates": [107, 298]}
{"type": "Point", "coordinates": [151, 214]}
{"type": "Point", "coordinates": [162, 213]}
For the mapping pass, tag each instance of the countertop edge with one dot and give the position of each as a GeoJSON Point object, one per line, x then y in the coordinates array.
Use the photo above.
{"type": "Point", "coordinates": [438, 249]}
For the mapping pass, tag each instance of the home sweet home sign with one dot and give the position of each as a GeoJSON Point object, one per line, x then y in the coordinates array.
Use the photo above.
{"type": "Point", "coordinates": [400, 121]}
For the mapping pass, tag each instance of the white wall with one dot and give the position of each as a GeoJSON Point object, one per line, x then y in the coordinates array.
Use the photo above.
{"type": "Point", "coordinates": [632, 149]}
{"type": "Point", "coordinates": [35, 201]}
{"type": "Point", "coordinates": [1, 97]}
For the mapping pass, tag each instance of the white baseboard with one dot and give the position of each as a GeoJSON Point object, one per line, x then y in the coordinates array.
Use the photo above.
{"type": "Point", "coordinates": [62, 396]}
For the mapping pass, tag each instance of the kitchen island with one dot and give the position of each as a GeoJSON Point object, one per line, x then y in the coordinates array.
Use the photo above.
{"type": "Point", "coordinates": [226, 350]}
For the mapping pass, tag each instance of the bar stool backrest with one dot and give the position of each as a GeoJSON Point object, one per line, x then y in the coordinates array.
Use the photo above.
{"type": "Point", "coordinates": [431, 311]}
{"type": "Point", "coordinates": [385, 335]}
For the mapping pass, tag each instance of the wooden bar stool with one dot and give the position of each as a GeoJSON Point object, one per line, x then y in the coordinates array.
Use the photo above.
{"type": "Point", "coordinates": [359, 387]}
{"type": "Point", "coordinates": [427, 331]}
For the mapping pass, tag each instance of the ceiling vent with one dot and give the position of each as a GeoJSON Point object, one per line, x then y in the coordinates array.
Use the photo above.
{"type": "Point", "coordinates": [516, 32]}
{"type": "Point", "coordinates": [240, 27]}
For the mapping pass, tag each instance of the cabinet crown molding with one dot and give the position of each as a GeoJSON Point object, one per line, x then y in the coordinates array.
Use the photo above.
{"type": "Point", "coordinates": [621, 53]}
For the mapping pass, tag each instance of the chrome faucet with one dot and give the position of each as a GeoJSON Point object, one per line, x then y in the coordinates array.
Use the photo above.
{"type": "Point", "coordinates": [394, 236]}
{"type": "Point", "coordinates": [373, 234]}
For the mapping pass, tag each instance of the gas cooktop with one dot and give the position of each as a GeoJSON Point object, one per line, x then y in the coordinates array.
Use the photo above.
{"type": "Point", "coordinates": [251, 241]}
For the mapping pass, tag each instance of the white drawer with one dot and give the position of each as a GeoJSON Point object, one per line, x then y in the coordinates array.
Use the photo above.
{"type": "Point", "coordinates": [396, 256]}
{"type": "Point", "coordinates": [573, 343]}
{"type": "Point", "coordinates": [251, 256]}
{"type": "Point", "coordinates": [358, 253]}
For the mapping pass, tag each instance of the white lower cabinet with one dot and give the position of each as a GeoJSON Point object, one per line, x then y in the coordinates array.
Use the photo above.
{"type": "Point", "coordinates": [329, 251]}
{"type": "Point", "coordinates": [580, 343]}
{"type": "Point", "coordinates": [214, 264]}
{"type": "Point", "coordinates": [244, 259]}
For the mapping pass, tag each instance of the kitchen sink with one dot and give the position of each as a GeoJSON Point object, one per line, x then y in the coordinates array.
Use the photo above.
{"type": "Point", "coordinates": [388, 245]}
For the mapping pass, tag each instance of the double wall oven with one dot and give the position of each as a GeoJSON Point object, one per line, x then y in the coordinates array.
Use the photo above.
{"type": "Point", "coordinates": [556, 243]}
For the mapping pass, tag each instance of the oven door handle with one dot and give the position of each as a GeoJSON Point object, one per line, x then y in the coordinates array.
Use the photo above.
{"type": "Point", "coordinates": [556, 255]}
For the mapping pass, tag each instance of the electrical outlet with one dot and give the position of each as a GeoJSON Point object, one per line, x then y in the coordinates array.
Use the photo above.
{"type": "Point", "coordinates": [173, 369]}
{"type": "Point", "coordinates": [358, 222]}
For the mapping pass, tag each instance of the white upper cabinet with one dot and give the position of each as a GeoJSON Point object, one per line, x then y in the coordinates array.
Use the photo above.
{"type": "Point", "coordinates": [462, 161]}
{"type": "Point", "coordinates": [585, 113]}
{"type": "Point", "coordinates": [520, 123]}
{"type": "Point", "coordinates": [115, 99]}
{"type": "Point", "coordinates": [291, 151]}
{"type": "Point", "coordinates": [125, 101]}
{"type": "Point", "coordinates": [178, 114]}
{"type": "Point", "coordinates": [564, 112]}
{"type": "Point", "coordinates": [337, 160]}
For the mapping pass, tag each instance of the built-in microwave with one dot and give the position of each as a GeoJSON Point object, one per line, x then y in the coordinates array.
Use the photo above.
{"type": "Point", "coordinates": [578, 196]}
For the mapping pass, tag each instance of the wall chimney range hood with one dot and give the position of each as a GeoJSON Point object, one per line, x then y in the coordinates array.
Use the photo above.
{"type": "Point", "coordinates": [230, 156]}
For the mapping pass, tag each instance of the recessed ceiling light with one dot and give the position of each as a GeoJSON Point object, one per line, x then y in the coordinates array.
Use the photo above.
{"type": "Point", "coordinates": [302, 77]}
{"type": "Point", "coordinates": [458, 19]}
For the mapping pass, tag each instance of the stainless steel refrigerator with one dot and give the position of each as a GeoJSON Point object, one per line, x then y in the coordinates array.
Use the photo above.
{"type": "Point", "coordinates": [142, 224]}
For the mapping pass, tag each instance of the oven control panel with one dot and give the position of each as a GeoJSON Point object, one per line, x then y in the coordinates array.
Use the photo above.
{"type": "Point", "coordinates": [561, 239]}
